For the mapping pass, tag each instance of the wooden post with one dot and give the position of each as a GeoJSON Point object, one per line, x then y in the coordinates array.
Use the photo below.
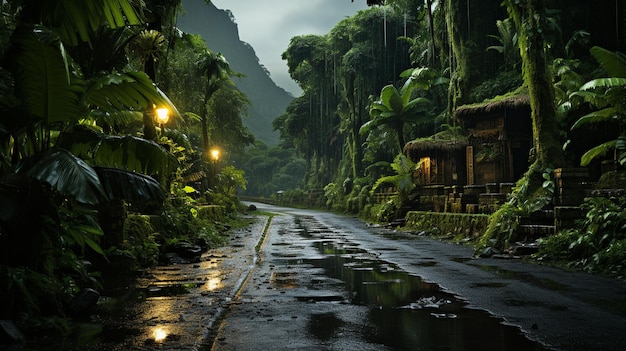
{"type": "Point", "coordinates": [469, 154]}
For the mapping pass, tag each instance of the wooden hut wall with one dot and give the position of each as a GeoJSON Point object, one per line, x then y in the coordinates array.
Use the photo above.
{"type": "Point", "coordinates": [501, 137]}
{"type": "Point", "coordinates": [441, 166]}
{"type": "Point", "coordinates": [518, 137]}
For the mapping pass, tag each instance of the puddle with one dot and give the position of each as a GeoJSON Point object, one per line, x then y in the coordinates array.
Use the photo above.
{"type": "Point", "coordinates": [165, 290]}
{"type": "Point", "coordinates": [406, 313]}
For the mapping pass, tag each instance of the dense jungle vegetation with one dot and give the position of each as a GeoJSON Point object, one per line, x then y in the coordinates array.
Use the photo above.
{"type": "Point", "coordinates": [397, 72]}
{"type": "Point", "coordinates": [90, 175]}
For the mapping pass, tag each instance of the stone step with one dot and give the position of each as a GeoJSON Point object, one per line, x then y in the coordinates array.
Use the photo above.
{"type": "Point", "coordinates": [541, 217]}
{"type": "Point", "coordinates": [536, 230]}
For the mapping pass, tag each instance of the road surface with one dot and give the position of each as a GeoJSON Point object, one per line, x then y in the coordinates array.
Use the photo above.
{"type": "Point", "coordinates": [329, 282]}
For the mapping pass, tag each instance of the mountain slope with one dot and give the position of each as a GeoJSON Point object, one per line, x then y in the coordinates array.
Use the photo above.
{"type": "Point", "coordinates": [221, 34]}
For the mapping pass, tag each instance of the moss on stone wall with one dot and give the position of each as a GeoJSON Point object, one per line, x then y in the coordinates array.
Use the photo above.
{"type": "Point", "coordinates": [458, 225]}
{"type": "Point", "coordinates": [212, 212]}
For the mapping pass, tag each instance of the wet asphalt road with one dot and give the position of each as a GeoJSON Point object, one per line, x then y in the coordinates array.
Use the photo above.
{"type": "Point", "coordinates": [328, 282]}
{"type": "Point", "coordinates": [322, 281]}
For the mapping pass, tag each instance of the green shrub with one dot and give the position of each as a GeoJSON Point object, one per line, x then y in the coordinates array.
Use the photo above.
{"type": "Point", "coordinates": [600, 242]}
{"type": "Point", "coordinates": [140, 240]}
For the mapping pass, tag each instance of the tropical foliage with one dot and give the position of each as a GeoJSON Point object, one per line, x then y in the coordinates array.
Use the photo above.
{"type": "Point", "coordinates": [402, 180]}
{"type": "Point", "coordinates": [608, 95]}
{"type": "Point", "coordinates": [598, 244]}
{"type": "Point", "coordinates": [399, 108]}
{"type": "Point", "coordinates": [80, 81]}
{"type": "Point", "coordinates": [77, 84]}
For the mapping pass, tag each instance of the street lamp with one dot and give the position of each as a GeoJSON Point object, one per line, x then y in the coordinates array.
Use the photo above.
{"type": "Point", "coordinates": [162, 116]}
{"type": "Point", "coordinates": [215, 155]}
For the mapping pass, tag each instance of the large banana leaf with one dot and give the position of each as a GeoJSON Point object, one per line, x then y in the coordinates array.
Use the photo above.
{"type": "Point", "coordinates": [73, 177]}
{"type": "Point", "coordinates": [124, 152]}
{"type": "Point", "coordinates": [135, 155]}
{"type": "Point", "coordinates": [603, 115]}
{"type": "Point", "coordinates": [43, 81]}
{"type": "Point", "coordinates": [391, 98]}
{"type": "Point", "coordinates": [66, 173]}
{"type": "Point", "coordinates": [138, 189]}
{"type": "Point", "coordinates": [597, 151]}
{"type": "Point", "coordinates": [76, 19]}
{"type": "Point", "coordinates": [120, 91]}
{"type": "Point", "coordinates": [605, 83]}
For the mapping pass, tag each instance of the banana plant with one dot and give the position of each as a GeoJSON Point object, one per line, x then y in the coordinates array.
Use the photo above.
{"type": "Point", "coordinates": [50, 197]}
{"type": "Point", "coordinates": [607, 95]}
{"type": "Point", "coordinates": [396, 108]}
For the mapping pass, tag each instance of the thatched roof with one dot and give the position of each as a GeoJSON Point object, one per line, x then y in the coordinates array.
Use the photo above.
{"type": "Point", "coordinates": [442, 141]}
{"type": "Point", "coordinates": [516, 102]}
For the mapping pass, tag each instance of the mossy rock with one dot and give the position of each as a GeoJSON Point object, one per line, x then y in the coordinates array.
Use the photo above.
{"type": "Point", "coordinates": [138, 226]}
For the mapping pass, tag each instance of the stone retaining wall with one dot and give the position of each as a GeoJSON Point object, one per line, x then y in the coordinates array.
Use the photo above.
{"type": "Point", "coordinates": [459, 225]}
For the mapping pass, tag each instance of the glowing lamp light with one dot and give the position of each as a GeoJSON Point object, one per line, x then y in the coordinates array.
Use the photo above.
{"type": "Point", "coordinates": [159, 334]}
{"type": "Point", "coordinates": [162, 115]}
{"type": "Point", "coordinates": [215, 154]}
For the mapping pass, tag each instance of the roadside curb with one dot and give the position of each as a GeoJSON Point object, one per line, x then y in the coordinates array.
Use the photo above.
{"type": "Point", "coordinates": [207, 338]}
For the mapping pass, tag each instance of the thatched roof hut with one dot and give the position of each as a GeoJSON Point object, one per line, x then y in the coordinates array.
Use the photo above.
{"type": "Point", "coordinates": [423, 146]}
{"type": "Point", "coordinates": [495, 106]}
{"type": "Point", "coordinates": [442, 157]}
{"type": "Point", "coordinates": [499, 138]}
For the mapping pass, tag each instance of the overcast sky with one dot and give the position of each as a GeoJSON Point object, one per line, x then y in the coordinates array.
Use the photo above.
{"type": "Point", "coordinates": [269, 25]}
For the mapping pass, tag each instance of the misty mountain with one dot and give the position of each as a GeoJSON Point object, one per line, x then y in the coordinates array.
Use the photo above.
{"type": "Point", "coordinates": [221, 34]}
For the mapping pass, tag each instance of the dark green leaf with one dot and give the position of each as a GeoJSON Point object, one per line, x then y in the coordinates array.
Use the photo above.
{"type": "Point", "coordinates": [612, 62]}
{"type": "Point", "coordinates": [133, 187]}
{"type": "Point", "coordinates": [66, 173]}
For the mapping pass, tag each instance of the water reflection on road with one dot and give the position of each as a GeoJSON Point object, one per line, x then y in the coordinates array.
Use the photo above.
{"type": "Point", "coordinates": [404, 311]}
{"type": "Point", "coordinates": [318, 288]}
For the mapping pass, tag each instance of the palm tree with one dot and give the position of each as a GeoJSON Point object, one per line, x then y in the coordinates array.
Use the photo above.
{"type": "Point", "coordinates": [403, 179]}
{"type": "Point", "coordinates": [217, 72]}
{"type": "Point", "coordinates": [396, 108]}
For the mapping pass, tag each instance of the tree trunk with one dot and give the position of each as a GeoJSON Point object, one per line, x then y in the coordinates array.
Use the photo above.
{"type": "Point", "coordinates": [431, 31]}
{"type": "Point", "coordinates": [353, 136]}
{"type": "Point", "coordinates": [399, 127]}
{"type": "Point", "coordinates": [149, 130]}
{"type": "Point", "coordinates": [112, 217]}
{"type": "Point", "coordinates": [469, 24]}
{"type": "Point", "coordinates": [530, 20]}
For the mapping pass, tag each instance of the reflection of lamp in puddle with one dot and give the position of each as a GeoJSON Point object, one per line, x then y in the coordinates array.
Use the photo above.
{"type": "Point", "coordinates": [159, 334]}
{"type": "Point", "coordinates": [213, 284]}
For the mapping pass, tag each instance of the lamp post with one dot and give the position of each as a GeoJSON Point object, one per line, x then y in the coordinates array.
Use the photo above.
{"type": "Point", "coordinates": [215, 156]}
